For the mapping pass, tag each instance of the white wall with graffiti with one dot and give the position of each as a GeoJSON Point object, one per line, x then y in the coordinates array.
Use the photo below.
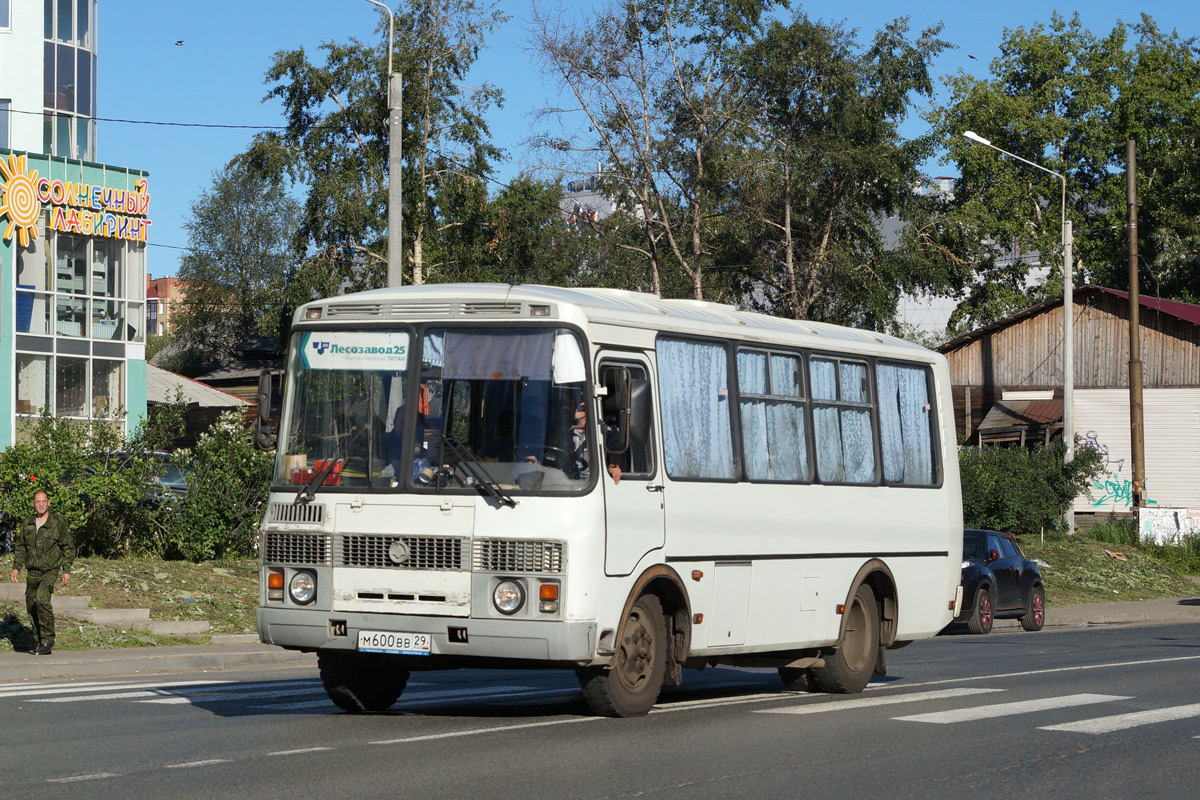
{"type": "Point", "coordinates": [1172, 445]}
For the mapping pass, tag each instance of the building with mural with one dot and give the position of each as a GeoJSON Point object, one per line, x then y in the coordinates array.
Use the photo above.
{"type": "Point", "coordinates": [73, 232]}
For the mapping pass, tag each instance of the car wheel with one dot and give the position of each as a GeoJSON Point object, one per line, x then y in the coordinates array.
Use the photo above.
{"type": "Point", "coordinates": [983, 616]}
{"type": "Point", "coordinates": [1035, 617]}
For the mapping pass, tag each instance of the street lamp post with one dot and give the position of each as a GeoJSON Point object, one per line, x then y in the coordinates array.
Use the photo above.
{"type": "Point", "coordinates": [395, 277]}
{"type": "Point", "coordinates": [1068, 310]}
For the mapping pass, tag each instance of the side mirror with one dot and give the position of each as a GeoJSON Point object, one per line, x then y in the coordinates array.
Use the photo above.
{"type": "Point", "coordinates": [262, 426]}
{"type": "Point", "coordinates": [993, 555]}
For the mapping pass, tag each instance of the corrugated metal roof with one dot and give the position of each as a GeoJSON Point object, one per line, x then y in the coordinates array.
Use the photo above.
{"type": "Point", "coordinates": [161, 387]}
{"type": "Point", "coordinates": [1014, 413]}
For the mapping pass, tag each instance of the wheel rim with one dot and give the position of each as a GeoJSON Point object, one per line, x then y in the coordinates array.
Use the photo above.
{"type": "Point", "coordinates": [985, 610]}
{"type": "Point", "coordinates": [856, 649]}
{"type": "Point", "coordinates": [1039, 608]}
{"type": "Point", "coordinates": [635, 657]}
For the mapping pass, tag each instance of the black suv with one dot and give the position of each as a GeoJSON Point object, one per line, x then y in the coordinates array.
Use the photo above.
{"type": "Point", "coordinates": [999, 582]}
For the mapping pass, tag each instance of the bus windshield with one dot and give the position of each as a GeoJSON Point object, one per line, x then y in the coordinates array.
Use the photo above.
{"type": "Point", "coordinates": [508, 401]}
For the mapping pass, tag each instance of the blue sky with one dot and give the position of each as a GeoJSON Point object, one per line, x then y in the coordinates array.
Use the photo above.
{"type": "Point", "coordinates": [216, 75]}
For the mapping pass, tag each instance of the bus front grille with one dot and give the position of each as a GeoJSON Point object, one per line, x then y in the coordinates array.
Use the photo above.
{"type": "Point", "coordinates": [517, 555]}
{"type": "Point", "coordinates": [402, 552]}
{"type": "Point", "coordinates": [307, 513]}
{"type": "Point", "coordinates": [296, 548]}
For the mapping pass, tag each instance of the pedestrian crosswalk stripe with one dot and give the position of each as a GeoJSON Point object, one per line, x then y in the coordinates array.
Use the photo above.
{"type": "Point", "coordinates": [91, 687]}
{"type": "Point", "coordinates": [879, 700]}
{"type": "Point", "coordinates": [228, 697]}
{"type": "Point", "coordinates": [1011, 709]}
{"type": "Point", "coordinates": [1120, 722]}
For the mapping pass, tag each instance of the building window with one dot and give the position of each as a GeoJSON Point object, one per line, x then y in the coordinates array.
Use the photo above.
{"type": "Point", "coordinates": [5, 119]}
{"type": "Point", "coordinates": [33, 383]}
{"type": "Point", "coordinates": [70, 387]}
{"type": "Point", "coordinates": [107, 385]}
{"type": "Point", "coordinates": [5, 18]}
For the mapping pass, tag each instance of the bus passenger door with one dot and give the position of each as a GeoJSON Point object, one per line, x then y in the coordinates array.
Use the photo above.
{"type": "Point", "coordinates": [634, 506]}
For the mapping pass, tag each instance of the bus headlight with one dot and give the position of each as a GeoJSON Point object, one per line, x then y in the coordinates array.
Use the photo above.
{"type": "Point", "coordinates": [303, 588]}
{"type": "Point", "coordinates": [508, 597]}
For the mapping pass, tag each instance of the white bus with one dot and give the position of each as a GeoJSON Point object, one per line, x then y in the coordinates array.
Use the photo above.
{"type": "Point", "coordinates": [603, 481]}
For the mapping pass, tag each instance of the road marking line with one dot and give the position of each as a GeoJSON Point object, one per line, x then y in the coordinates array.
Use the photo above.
{"type": "Point", "coordinates": [1011, 709]}
{"type": "Point", "coordinates": [426, 699]}
{"type": "Point", "coordinates": [111, 687]}
{"type": "Point", "coordinates": [203, 763]}
{"type": "Point", "coordinates": [1120, 722]}
{"type": "Point", "coordinates": [298, 752]}
{"type": "Point", "coordinates": [885, 700]}
{"type": "Point", "coordinates": [497, 729]}
{"type": "Point", "coordinates": [1049, 671]}
{"type": "Point", "coordinates": [18, 688]}
{"type": "Point", "coordinates": [74, 778]}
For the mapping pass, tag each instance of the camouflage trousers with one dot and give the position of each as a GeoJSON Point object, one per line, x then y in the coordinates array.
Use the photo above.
{"type": "Point", "coordinates": [39, 586]}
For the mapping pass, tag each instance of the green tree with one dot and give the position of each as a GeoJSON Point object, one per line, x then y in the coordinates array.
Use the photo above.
{"type": "Point", "coordinates": [656, 93]}
{"type": "Point", "coordinates": [335, 145]}
{"type": "Point", "coordinates": [239, 234]}
{"type": "Point", "coordinates": [1069, 100]}
{"type": "Point", "coordinates": [821, 161]}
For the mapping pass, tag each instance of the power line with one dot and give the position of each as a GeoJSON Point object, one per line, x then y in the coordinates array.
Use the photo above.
{"type": "Point", "coordinates": [167, 124]}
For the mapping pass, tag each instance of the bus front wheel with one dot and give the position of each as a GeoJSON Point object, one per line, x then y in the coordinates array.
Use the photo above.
{"type": "Point", "coordinates": [849, 668]}
{"type": "Point", "coordinates": [360, 682]}
{"type": "Point", "coordinates": [630, 685]}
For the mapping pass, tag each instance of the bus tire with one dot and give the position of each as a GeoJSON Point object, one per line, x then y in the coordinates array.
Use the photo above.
{"type": "Point", "coordinates": [360, 682]}
{"type": "Point", "coordinates": [629, 686]}
{"type": "Point", "coordinates": [849, 667]}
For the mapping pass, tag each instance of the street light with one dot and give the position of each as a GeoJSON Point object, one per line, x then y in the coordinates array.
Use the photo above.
{"type": "Point", "coordinates": [395, 184]}
{"type": "Point", "coordinates": [1068, 310]}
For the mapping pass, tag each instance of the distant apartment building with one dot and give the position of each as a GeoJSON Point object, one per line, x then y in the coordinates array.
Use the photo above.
{"type": "Point", "coordinates": [73, 232]}
{"type": "Point", "coordinates": [164, 296]}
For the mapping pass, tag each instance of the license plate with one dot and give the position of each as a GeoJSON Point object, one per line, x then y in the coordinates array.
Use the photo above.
{"type": "Point", "coordinates": [404, 644]}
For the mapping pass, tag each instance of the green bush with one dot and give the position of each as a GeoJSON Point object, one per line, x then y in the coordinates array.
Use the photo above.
{"type": "Point", "coordinates": [1023, 490]}
{"type": "Point", "coordinates": [227, 492]}
{"type": "Point", "coordinates": [102, 485]}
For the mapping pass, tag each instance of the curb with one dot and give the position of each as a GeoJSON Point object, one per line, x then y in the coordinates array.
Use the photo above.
{"type": "Point", "coordinates": [135, 661]}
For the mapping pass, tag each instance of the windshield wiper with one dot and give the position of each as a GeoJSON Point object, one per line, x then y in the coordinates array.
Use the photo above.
{"type": "Point", "coordinates": [307, 494]}
{"type": "Point", "coordinates": [478, 474]}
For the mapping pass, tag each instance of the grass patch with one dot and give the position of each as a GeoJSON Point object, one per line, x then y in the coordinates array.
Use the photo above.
{"type": "Point", "coordinates": [223, 593]}
{"type": "Point", "coordinates": [1081, 570]}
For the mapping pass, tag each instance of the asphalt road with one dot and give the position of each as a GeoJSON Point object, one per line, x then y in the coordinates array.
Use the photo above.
{"type": "Point", "coordinates": [1095, 713]}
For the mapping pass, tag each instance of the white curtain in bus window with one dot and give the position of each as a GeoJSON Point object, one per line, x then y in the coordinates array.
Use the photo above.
{"type": "Point", "coordinates": [842, 419]}
{"type": "Point", "coordinates": [773, 428]}
{"type": "Point", "coordinates": [904, 424]}
{"type": "Point", "coordinates": [498, 354]}
{"type": "Point", "coordinates": [697, 435]}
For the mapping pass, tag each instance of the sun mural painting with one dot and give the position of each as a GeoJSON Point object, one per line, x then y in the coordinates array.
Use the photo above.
{"type": "Point", "coordinates": [19, 199]}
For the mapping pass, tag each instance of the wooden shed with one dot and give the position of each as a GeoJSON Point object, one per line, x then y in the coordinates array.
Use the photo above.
{"type": "Point", "coordinates": [1007, 384]}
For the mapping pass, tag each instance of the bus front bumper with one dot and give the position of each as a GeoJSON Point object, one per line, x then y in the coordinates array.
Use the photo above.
{"type": "Point", "coordinates": [528, 640]}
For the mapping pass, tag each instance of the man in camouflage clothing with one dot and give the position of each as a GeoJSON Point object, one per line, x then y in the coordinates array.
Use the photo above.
{"type": "Point", "coordinates": [45, 549]}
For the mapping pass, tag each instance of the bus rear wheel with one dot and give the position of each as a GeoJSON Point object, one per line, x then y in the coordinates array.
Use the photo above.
{"type": "Point", "coordinates": [629, 686]}
{"type": "Point", "coordinates": [360, 682]}
{"type": "Point", "coordinates": [849, 668]}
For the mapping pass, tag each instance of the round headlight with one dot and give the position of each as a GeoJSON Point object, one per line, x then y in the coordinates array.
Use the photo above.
{"type": "Point", "coordinates": [303, 588]}
{"type": "Point", "coordinates": [508, 597]}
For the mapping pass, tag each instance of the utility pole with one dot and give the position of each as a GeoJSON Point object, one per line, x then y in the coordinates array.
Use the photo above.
{"type": "Point", "coordinates": [395, 179]}
{"type": "Point", "coordinates": [1137, 443]}
{"type": "Point", "coordinates": [395, 90]}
